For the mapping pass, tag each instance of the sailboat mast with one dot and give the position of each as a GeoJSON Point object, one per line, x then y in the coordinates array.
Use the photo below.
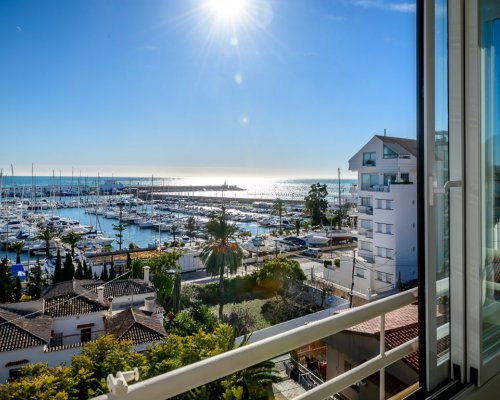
{"type": "Point", "coordinates": [340, 204]}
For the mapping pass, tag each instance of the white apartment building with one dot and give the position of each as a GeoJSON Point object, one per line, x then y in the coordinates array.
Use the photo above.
{"type": "Point", "coordinates": [387, 217]}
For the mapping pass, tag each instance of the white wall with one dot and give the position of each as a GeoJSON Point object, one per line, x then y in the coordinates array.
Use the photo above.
{"type": "Point", "coordinates": [68, 326]}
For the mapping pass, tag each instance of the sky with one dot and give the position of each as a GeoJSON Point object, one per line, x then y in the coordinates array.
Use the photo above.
{"type": "Point", "coordinates": [276, 88]}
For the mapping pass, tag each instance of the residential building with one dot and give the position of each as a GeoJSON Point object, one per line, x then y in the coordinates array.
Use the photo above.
{"type": "Point", "coordinates": [69, 314]}
{"type": "Point", "coordinates": [386, 256]}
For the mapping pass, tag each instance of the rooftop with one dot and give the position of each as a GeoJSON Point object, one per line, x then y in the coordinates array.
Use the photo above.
{"type": "Point", "coordinates": [19, 333]}
{"type": "Point", "coordinates": [136, 325]}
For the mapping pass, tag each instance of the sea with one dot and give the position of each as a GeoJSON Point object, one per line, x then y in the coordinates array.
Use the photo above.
{"type": "Point", "coordinates": [259, 189]}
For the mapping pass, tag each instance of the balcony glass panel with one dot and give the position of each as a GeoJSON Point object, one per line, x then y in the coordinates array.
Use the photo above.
{"type": "Point", "coordinates": [441, 173]}
{"type": "Point", "coordinates": [368, 181]}
{"type": "Point", "coordinates": [490, 136]}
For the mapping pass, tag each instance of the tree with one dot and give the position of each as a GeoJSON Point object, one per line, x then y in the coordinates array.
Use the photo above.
{"type": "Point", "coordinates": [35, 282]}
{"type": "Point", "coordinates": [46, 235]}
{"type": "Point", "coordinates": [58, 273]}
{"type": "Point", "coordinates": [17, 247]}
{"type": "Point", "coordinates": [173, 231]}
{"type": "Point", "coordinates": [7, 282]}
{"type": "Point", "coordinates": [18, 290]}
{"type": "Point", "coordinates": [191, 227]}
{"type": "Point", "coordinates": [100, 358]}
{"type": "Point", "coordinates": [316, 203]}
{"type": "Point", "coordinates": [68, 271]}
{"type": "Point", "coordinates": [279, 207]}
{"type": "Point", "coordinates": [128, 265]}
{"type": "Point", "coordinates": [137, 268]}
{"type": "Point", "coordinates": [280, 274]}
{"type": "Point", "coordinates": [165, 268]}
{"type": "Point", "coordinates": [79, 274]}
{"type": "Point", "coordinates": [104, 273]}
{"type": "Point", "coordinates": [112, 271]}
{"type": "Point", "coordinates": [72, 238]}
{"type": "Point", "coordinates": [221, 252]}
{"type": "Point", "coordinates": [297, 224]}
{"type": "Point", "coordinates": [87, 271]}
{"type": "Point", "coordinates": [119, 227]}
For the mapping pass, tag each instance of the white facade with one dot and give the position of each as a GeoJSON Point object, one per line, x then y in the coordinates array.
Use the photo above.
{"type": "Point", "coordinates": [387, 216]}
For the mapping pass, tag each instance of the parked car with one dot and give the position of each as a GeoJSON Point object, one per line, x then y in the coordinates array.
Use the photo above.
{"type": "Point", "coordinates": [313, 252]}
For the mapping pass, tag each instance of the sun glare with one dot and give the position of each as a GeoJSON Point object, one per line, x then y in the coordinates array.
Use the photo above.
{"type": "Point", "coordinates": [228, 10]}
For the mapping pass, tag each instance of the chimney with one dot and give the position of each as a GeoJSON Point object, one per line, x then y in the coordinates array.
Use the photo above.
{"type": "Point", "coordinates": [149, 304]}
{"type": "Point", "coordinates": [110, 309]}
{"type": "Point", "coordinates": [385, 132]}
{"type": "Point", "coordinates": [100, 294]}
{"type": "Point", "coordinates": [146, 275]}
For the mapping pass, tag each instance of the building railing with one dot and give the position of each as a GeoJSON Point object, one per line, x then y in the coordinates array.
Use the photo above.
{"type": "Point", "coordinates": [202, 372]}
{"type": "Point", "coordinates": [376, 188]}
{"type": "Point", "coordinates": [365, 210]}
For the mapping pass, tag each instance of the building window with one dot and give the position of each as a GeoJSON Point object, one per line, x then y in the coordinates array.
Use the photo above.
{"type": "Point", "coordinates": [369, 159]}
{"type": "Point", "coordinates": [365, 245]}
{"type": "Point", "coordinates": [366, 223]}
{"type": "Point", "coordinates": [366, 201]}
{"type": "Point", "coordinates": [385, 228]}
{"type": "Point", "coordinates": [86, 335]}
{"type": "Point", "coordinates": [368, 181]}
{"type": "Point", "coordinates": [360, 272]}
{"type": "Point", "coordinates": [405, 178]}
{"type": "Point", "coordinates": [389, 153]}
{"type": "Point", "coordinates": [389, 179]}
{"type": "Point", "coordinates": [384, 252]}
{"type": "Point", "coordinates": [388, 204]}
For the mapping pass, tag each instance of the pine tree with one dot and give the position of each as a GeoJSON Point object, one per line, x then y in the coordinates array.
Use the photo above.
{"type": "Point", "coordinates": [68, 271]}
{"type": "Point", "coordinates": [129, 262]}
{"type": "Point", "coordinates": [36, 281]}
{"type": "Point", "coordinates": [88, 275]}
{"type": "Point", "coordinates": [18, 291]}
{"type": "Point", "coordinates": [104, 273]}
{"type": "Point", "coordinates": [79, 271]}
{"type": "Point", "coordinates": [58, 274]}
{"type": "Point", "coordinates": [112, 271]}
{"type": "Point", "coordinates": [7, 283]}
{"type": "Point", "coordinates": [85, 270]}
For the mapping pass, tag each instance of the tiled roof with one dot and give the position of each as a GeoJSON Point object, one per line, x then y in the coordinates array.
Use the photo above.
{"type": "Point", "coordinates": [122, 287]}
{"type": "Point", "coordinates": [19, 333]}
{"type": "Point", "coordinates": [410, 145]}
{"type": "Point", "coordinates": [71, 304]}
{"type": "Point", "coordinates": [401, 317]}
{"type": "Point", "coordinates": [398, 336]}
{"type": "Point", "coordinates": [136, 325]}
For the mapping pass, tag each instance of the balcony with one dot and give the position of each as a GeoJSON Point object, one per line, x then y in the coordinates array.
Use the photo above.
{"type": "Point", "coordinates": [189, 377]}
{"type": "Point", "coordinates": [365, 210]}
{"type": "Point", "coordinates": [368, 232]}
{"type": "Point", "coordinates": [376, 188]}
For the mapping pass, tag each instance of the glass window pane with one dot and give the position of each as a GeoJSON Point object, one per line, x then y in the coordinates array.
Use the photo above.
{"type": "Point", "coordinates": [490, 136]}
{"type": "Point", "coordinates": [441, 173]}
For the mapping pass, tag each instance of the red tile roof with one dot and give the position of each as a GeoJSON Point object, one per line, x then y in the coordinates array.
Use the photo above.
{"type": "Point", "coordinates": [402, 317]}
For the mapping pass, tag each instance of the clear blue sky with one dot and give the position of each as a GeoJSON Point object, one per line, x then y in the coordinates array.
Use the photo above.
{"type": "Point", "coordinates": [175, 88]}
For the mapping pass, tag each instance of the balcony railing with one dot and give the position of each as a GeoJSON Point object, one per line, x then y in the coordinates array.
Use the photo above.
{"type": "Point", "coordinates": [376, 188]}
{"type": "Point", "coordinates": [365, 210]}
{"type": "Point", "coordinates": [191, 376]}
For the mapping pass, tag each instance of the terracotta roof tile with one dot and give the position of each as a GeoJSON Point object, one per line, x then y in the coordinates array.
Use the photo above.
{"type": "Point", "coordinates": [19, 333]}
{"type": "Point", "coordinates": [136, 325]}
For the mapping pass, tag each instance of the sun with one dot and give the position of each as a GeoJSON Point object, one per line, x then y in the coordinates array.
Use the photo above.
{"type": "Point", "coordinates": [228, 10]}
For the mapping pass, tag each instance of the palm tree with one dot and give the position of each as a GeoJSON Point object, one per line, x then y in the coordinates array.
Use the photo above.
{"type": "Point", "coordinates": [220, 252]}
{"type": "Point", "coordinates": [46, 235]}
{"type": "Point", "coordinates": [297, 224]}
{"type": "Point", "coordinates": [17, 247]}
{"type": "Point", "coordinates": [173, 230]}
{"type": "Point", "coordinates": [72, 238]}
{"type": "Point", "coordinates": [278, 206]}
